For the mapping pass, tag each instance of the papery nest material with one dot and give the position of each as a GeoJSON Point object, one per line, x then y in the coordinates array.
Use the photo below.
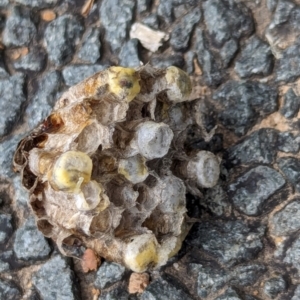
{"type": "Point", "coordinates": [108, 169]}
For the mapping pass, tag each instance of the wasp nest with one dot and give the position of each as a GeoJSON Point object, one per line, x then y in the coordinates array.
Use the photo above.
{"type": "Point", "coordinates": [107, 170]}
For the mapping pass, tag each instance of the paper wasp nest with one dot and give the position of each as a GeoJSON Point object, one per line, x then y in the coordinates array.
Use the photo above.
{"type": "Point", "coordinates": [107, 171]}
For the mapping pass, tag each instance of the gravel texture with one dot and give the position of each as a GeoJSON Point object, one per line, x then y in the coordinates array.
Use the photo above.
{"type": "Point", "coordinates": [244, 58]}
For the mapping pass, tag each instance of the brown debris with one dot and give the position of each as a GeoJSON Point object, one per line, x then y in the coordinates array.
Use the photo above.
{"type": "Point", "coordinates": [138, 282]}
{"type": "Point", "coordinates": [87, 7]}
{"type": "Point", "coordinates": [48, 15]}
{"type": "Point", "coordinates": [17, 53]}
{"type": "Point", "coordinates": [89, 261]}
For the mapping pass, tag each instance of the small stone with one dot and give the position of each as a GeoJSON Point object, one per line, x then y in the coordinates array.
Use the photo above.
{"type": "Point", "coordinates": [283, 28]}
{"type": "Point", "coordinates": [216, 200]}
{"type": "Point", "coordinates": [293, 255]}
{"type": "Point", "coordinates": [151, 21]}
{"type": "Point", "coordinates": [230, 294]}
{"type": "Point", "coordinates": [9, 290]}
{"type": "Point", "coordinates": [90, 50]}
{"type": "Point", "coordinates": [138, 282]}
{"type": "Point", "coordinates": [165, 10]}
{"type": "Point", "coordinates": [165, 61]}
{"type": "Point", "coordinates": [290, 166]}
{"type": "Point", "coordinates": [117, 293]}
{"type": "Point", "coordinates": [4, 3]}
{"type": "Point", "coordinates": [271, 4]}
{"type": "Point", "coordinates": [288, 66]}
{"type": "Point", "coordinates": [34, 61]}
{"type": "Point", "coordinates": [30, 243]}
{"type": "Point", "coordinates": [116, 17]}
{"type": "Point", "coordinates": [162, 289]}
{"type": "Point", "coordinates": [274, 286]}
{"type": "Point", "coordinates": [20, 193]}
{"type": "Point", "coordinates": [61, 37]}
{"type": "Point", "coordinates": [54, 280]}
{"type": "Point", "coordinates": [75, 73]}
{"type": "Point", "coordinates": [17, 53]}
{"type": "Point", "coordinates": [230, 242]}
{"type": "Point", "coordinates": [208, 61]}
{"type": "Point", "coordinates": [209, 278]}
{"type": "Point", "coordinates": [6, 228]}
{"type": "Point", "coordinates": [129, 55]}
{"type": "Point", "coordinates": [108, 274]}
{"type": "Point", "coordinates": [243, 103]}
{"type": "Point", "coordinates": [5, 257]}
{"type": "Point", "coordinates": [296, 295]}
{"type": "Point", "coordinates": [182, 31]}
{"type": "Point", "coordinates": [48, 15]}
{"type": "Point", "coordinates": [228, 51]}
{"type": "Point", "coordinates": [247, 275]}
{"type": "Point", "coordinates": [286, 220]}
{"type": "Point", "coordinates": [226, 19]}
{"type": "Point", "coordinates": [38, 3]}
{"type": "Point", "coordinates": [190, 61]}
{"type": "Point", "coordinates": [12, 100]}
{"type": "Point", "coordinates": [258, 147]}
{"type": "Point", "coordinates": [7, 149]}
{"type": "Point", "coordinates": [149, 38]}
{"type": "Point", "coordinates": [19, 29]}
{"type": "Point", "coordinates": [255, 59]}
{"type": "Point", "coordinates": [290, 105]}
{"type": "Point", "coordinates": [44, 99]}
{"type": "Point", "coordinates": [288, 143]}
{"type": "Point", "coordinates": [143, 5]}
{"type": "Point", "coordinates": [251, 198]}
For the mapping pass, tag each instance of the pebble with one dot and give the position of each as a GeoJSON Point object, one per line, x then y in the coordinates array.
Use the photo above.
{"type": "Point", "coordinates": [54, 280]}
{"type": "Point", "coordinates": [291, 104]}
{"type": "Point", "coordinates": [226, 20]}
{"type": "Point", "coordinates": [216, 200]}
{"type": "Point", "coordinates": [9, 290]}
{"type": "Point", "coordinates": [228, 51]}
{"type": "Point", "coordinates": [143, 5]}
{"type": "Point", "coordinates": [5, 257]}
{"type": "Point", "coordinates": [38, 3]}
{"type": "Point", "coordinates": [247, 275]}
{"type": "Point", "coordinates": [243, 103]}
{"type": "Point", "coordinates": [160, 289]}
{"type": "Point", "coordinates": [283, 28]}
{"type": "Point", "coordinates": [129, 54]}
{"type": "Point", "coordinates": [12, 100]}
{"type": "Point", "coordinates": [210, 65]}
{"type": "Point", "coordinates": [296, 295]}
{"type": "Point", "coordinates": [61, 37]}
{"type": "Point", "coordinates": [7, 149]}
{"type": "Point", "coordinates": [164, 61]}
{"type": "Point", "coordinates": [210, 278]}
{"type": "Point", "coordinates": [287, 220]}
{"type": "Point", "coordinates": [30, 243]}
{"type": "Point", "coordinates": [6, 228]}
{"type": "Point", "coordinates": [116, 17]}
{"type": "Point", "coordinates": [115, 294]}
{"type": "Point", "coordinates": [255, 59]}
{"type": "Point", "coordinates": [44, 99]}
{"type": "Point", "coordinates": [73, 74]}
{"type": "Point", "coordinates": [4, 3]}
{"type": "Point", "coordinates": [229, 294]}
{"type": "Point", "coordinates": [274, 286]}
{"type": "Point", "coordinates": [48, 15]}
{"type": "Point", "coordinates": [288, 142]}
{"type": "Point", "coordinates": [181, 33]}
{"type": "Point", "coordinates": [108, 274]}
{"type": "Point", "coordinates": [252, 198]}
{"type": "Point", "coordinates": [290, 166]}
{"type": "Point", "coordinates": [90, 49]}
{"type": "Point", "coordinates": [34, 61]}
{"type": "Point", "coordinates": [151, 21]}
{"type": "Point", "coordinates": [19, 29]}
{"type": "Point", "coordinates": [258, 147]}
{"type": "Point", "coordinates": [292, 256]}
{"type": "Point", "coordinates": [230, 242]}
{"type": "Point", "coordinates": [288, 66]}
